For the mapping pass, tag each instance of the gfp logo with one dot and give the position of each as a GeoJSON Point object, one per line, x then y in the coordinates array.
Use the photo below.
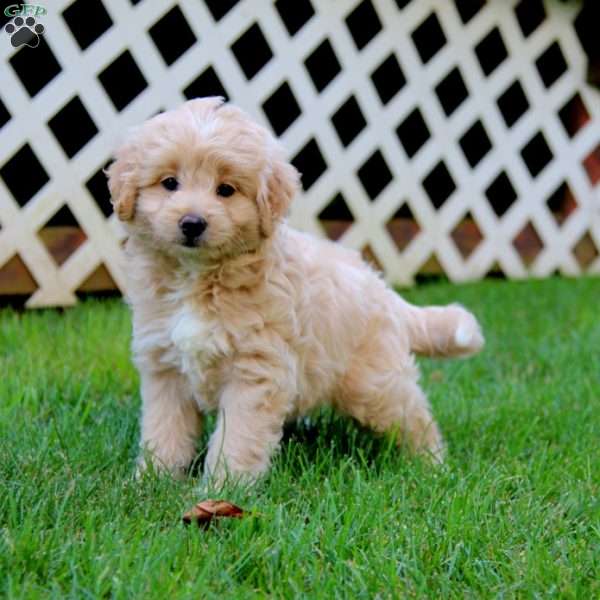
{"type": "Point", "coordinates": [23, 29]}
{"type": "Point", "coordinates": [25, 10]}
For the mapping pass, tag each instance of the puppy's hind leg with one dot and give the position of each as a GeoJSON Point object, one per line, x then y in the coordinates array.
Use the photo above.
{"type": "Point", "coordinates": [389, 399]}
{"type": "Point", "coordinates": [442, 331]}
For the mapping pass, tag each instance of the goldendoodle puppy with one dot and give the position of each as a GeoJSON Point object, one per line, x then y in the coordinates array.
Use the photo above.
{"type": "Point", "coordinates": [235, 312]}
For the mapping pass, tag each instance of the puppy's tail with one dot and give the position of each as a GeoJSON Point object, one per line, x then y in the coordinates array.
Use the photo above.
{"type": "Point", "coordinates": [443, 331]}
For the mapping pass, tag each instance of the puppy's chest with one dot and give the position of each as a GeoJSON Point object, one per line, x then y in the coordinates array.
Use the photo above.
{"type": "Point", "coordinates": [198, 345]}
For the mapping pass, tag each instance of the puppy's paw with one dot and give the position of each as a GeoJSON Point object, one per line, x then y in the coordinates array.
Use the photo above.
{"type": "Point", "coordinates": [468, 337]}
{"type": "Point", "coordinates": [435, 455]}
{"type": "Point", "coordinates": [150, 464]}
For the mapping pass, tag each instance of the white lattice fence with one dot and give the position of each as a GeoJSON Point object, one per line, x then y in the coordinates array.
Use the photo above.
{"type": "Point", "coordinates": [460, 133]}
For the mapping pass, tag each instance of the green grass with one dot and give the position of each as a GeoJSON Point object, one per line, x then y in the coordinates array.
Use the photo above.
{"type": "Point", "coordinates": [515, 512]}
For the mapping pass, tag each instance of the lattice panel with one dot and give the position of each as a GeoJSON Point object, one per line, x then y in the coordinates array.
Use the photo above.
{"type": "Point", "coordinates": [429, 132]}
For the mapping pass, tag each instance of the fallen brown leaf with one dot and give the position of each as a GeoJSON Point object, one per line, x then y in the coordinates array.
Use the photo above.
{"type": "Point", "coordinates": [437, 376]}
{"type": "Point", "coordinates": [207, 510]}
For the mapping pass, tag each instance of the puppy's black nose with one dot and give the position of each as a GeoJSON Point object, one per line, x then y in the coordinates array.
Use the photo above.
{"type": "Point", "coordinates": [192, 227]}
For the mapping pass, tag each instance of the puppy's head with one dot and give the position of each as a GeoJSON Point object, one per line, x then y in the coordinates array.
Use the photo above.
{"type": "Point", "coordinates": [201, 179]}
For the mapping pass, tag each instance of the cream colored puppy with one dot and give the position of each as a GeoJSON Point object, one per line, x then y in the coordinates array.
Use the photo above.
{"type": "Point", "coordinates": [235, 312]}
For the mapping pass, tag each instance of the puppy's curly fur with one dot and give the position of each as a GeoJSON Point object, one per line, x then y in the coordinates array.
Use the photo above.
{"type": "Point", "coordinates": [242, 315]}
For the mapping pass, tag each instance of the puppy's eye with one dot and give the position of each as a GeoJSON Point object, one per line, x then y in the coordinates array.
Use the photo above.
{"type": "Point", "coordinates": [170, 183]}
{"type": "Point", "coordinates": [225, 190]}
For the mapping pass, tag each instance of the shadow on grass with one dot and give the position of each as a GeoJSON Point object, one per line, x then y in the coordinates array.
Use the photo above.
{"type": "Point", "coordinates": [320, 442]}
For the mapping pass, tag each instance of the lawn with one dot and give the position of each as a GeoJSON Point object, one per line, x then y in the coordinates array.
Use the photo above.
{"type": "Point", "coordinates": [515, 512]}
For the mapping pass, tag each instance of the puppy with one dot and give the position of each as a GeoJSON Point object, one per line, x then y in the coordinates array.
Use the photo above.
{"type": "Point", "coordinates": [235, 312]}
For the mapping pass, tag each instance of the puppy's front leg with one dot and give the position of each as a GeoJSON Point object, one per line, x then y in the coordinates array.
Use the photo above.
{"type": "Point", "coordinates": [249, 429]}
{"type": "Point", "coordinates": [170, 422]}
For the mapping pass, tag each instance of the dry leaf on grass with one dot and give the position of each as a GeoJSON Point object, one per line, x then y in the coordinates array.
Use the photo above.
{"type": "Point", "coordinates": [207, 510]}
{"type": "Point", "coordinates": [437, 376]}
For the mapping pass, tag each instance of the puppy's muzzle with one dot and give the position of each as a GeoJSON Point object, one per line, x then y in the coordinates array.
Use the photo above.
{"type": "Point", "coordinates": [192, 227]}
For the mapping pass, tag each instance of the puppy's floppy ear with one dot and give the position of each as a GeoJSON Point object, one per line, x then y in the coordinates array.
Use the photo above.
{"type": "Point", "coordinates": [280, 184]}
{"type": "Point", "coordinates": [123, 190]}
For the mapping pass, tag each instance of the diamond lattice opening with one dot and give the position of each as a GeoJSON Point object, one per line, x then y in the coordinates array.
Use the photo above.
{"type": "Point", "coordinates": [536, 154]}
{"type": "Point", "coordinates": [467, 235]}
{"type": "Point", "coordinates": [206, 84]}
{"type": "Point", "coordinates": [591, 164]}
{"type": "Point", "coordinates": [430, 270]}
{"type": "Point", "coordinates": [413, 133]}
{"type": "Point", "coordinates": [375, 175]}
{"type": "Point", "coordinates": [388, 78]}
{"type": "Point", "coordinates": [439, 184]}
{"type": "Point", "coordinates": [336, 218]}
{"type": "Point", "coordinates": [585, 251]}
{"type": "Point", "coordinates": [513, 103]}
{"type": "Point", "coordinates": [294, 14]}
{"type": "Point", "coordinates": [562, 203]}
{"type": "Point", "coordinates": [530, 15]}
{"type": "Point", "coordinates": [4, 115]}
{"type": "Point", "coordinates": [491, 51]}
{"type": "Point", "coordinates": [16, 279]}
{"type": "Point", "coordinates": [501, 194]}
{"type": "Point", "coordinates": [348, 121]}
{"type": "Point", "coordinates": [46, 67]}
{"type": "Point", "coordinates": [219, 8]}
{"type": "Point", "coordinates": [403, 227]}
{"type": "Point", "coordinates": [551, 64]}
{"type": "Point", "coordinates": [281, 108]}
{"type": "Point", "coordinates": [451, 91]}
{"type": "Point", "coordinates": [495, 272]}
{"type": "Point", "coordinates": [574, 115]}
{"type": "Point", "coordinates": [87, 20]}
{"type": "Point", "coordinates": [475, 144]}
{"type": "Point", "coordinates": [98, 282]}
{"type": "Point", "coordinates": [363, 24]}
{"type": "Point", "coordinates": [467, 9]}
{"type": "Point", "coordinates": [122, 80]}
{"type": "Point", "coordinates": [429, 38]}
{"type": "Point", "coordinates": [252, 51]}
{"type": "Point", "coordinates": [72, 139]}
{"type": "Point", "coordinates": [310, 163]}
{"type": "Point", "coordinates": [172, 35]}
{"type": "Point", "coordinates": [528, 244]}
{"type": "Point", "coordinates": [322, 65]}
{"type": "Point", "coordinates": [24, 175]}
{"type": "Point", "coordinates": [62, 235]}
{"type": "Point", "coordinates": [98, 188]}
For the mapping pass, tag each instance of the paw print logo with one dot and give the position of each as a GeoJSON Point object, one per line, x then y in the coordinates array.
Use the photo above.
{"type": "Point", "coordinates": [24, 32]}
